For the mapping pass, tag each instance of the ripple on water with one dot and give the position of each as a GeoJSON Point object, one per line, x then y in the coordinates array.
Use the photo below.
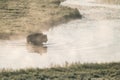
{"type": "Point", "coordinates": [86, 42]}
{"type": "Point", "coordinates": [89, 40]}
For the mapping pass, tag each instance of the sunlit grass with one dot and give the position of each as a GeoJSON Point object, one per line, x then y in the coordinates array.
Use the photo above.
{"type": "Point", "coordinates": [27, 16]}
{"type": "Point", "coordinates": [78, 71]}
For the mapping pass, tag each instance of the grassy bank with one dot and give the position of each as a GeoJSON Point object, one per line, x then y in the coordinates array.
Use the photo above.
{"type": "Point", "coordinates": [27, 16]}
{"type": "Point", "coordinates": [109, 71]}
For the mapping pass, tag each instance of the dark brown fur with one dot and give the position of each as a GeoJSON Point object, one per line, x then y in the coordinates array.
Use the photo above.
{"type": "Point", "coordinates": [37, 38]}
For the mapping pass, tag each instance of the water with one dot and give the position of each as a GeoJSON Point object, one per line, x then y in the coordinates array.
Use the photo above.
{"type": "Point", "coordinates": [95, 38]}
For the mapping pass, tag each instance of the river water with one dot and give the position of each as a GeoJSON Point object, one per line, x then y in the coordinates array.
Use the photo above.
{"type": "Point", "coordinates": [93, 39]}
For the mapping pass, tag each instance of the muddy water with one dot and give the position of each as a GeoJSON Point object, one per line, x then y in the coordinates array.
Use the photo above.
{"type": "Point", "coordinates": [95, 38]}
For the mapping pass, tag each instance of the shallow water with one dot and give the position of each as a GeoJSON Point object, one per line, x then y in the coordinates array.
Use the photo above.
{"type": "Point", "coordinates": [95, 38]}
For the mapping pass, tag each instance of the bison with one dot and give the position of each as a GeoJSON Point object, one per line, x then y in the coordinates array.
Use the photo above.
{"type": "Point", "coordinates": [37, 38]}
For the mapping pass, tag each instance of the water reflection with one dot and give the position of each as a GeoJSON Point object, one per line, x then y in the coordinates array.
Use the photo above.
{"type": "Point", "coordinates": [93, 39]}
{"type": "Point", "coordinates": [37, 49]}
{"type": "Point", "coordinates": [88, 42]}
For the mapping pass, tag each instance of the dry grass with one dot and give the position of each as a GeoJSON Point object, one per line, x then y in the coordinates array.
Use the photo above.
{"type": "Point", "coordinates": [109, 1]}
{"type": "Point", "coordinates": [106, 71]}
{"type": "Point", "coordinates": [27, 16]}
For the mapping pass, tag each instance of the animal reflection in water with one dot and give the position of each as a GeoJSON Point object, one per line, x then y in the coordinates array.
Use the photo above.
{"type": "Point", "coordinates": [37, 49]}
{"type": "Point", "coordinates": [35, 43]}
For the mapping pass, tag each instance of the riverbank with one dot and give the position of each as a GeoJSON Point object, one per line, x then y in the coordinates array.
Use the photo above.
{"type": "Point", "coordinates": [24, 17]}
{"type": "Point", "coordinates": [102, 71]}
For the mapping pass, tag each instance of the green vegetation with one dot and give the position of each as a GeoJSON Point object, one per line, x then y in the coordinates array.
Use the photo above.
{"type": "Point", "coordinates": [27, 16]}
{"type": "Point", "coordinates": [106, 71]}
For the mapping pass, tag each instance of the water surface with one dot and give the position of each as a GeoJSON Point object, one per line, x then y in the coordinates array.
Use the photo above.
{"type": "Point", "coordinates": [95, 38]}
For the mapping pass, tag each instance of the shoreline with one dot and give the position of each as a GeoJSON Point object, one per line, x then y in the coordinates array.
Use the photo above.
{"type": "Point", "coordinates": [18, 24]}
{"type": "Point", "coordinates": [103, 71]}
{"type": "Point", "coordinates": [33, 16]}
